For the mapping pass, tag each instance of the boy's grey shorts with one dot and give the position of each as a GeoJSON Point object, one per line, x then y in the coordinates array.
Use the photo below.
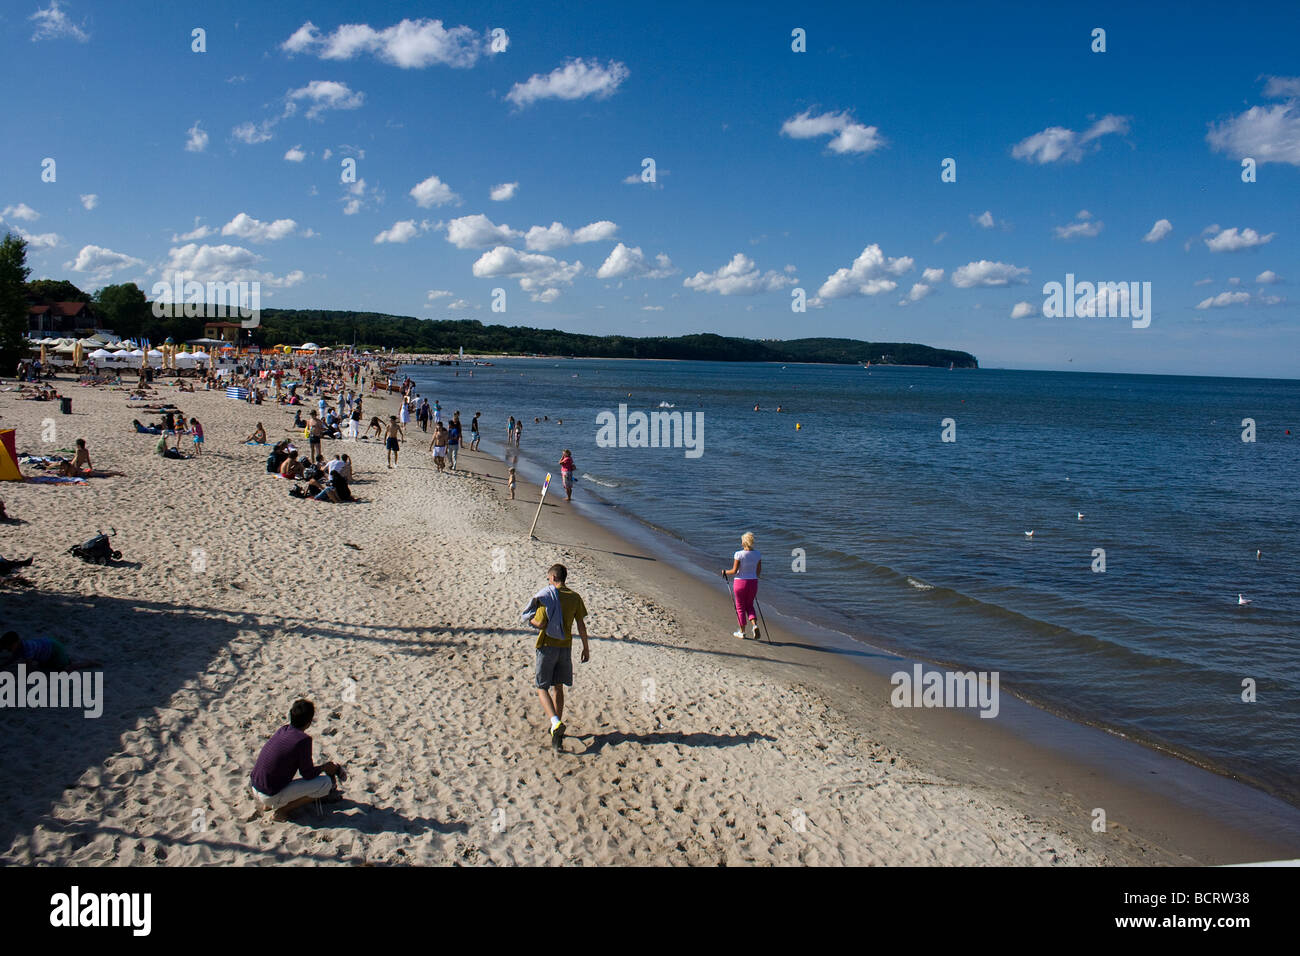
{"type": "Point", "coordinates": [554, 666]}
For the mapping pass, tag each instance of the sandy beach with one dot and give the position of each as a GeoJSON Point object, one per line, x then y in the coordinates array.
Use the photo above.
{"type": "Point", "coordinates": [398, 615]}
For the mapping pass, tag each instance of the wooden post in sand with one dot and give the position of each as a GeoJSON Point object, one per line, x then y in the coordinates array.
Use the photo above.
{"type": "Point", "coordinates": [545, 484]}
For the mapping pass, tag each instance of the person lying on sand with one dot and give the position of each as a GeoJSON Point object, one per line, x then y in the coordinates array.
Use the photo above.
{"type": "Point", "coordinates": [146, 429]}
{"type": "Point", "coordinates": [287, 753]}
{"type": "Point", "coordinates": [44, 653]}
{"type": "Point", "coordinates": [8, 567]}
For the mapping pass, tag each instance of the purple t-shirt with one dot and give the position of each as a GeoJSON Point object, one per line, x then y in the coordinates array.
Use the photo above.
{"type": "Point", "coordinates": [288, 751]}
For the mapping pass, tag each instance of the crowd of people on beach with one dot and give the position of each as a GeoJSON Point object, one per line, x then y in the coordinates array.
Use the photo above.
{"type": "Point", "coordinates": [326, 397]}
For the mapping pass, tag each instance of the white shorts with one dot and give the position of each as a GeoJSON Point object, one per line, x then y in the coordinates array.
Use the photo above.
{"type": "Point", "coordinates": [316, 788]}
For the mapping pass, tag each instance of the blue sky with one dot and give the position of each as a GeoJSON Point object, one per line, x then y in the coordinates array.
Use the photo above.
{"type": "Point", "coordinates": [775, 170]}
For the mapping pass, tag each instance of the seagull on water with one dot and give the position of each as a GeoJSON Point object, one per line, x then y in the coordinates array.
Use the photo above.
{"type": "Point", "coordinates": [1029, 534]}
{"type": "Point", "coordinates": [1080, 515]}
{"type": "Point", "coordinates": [1242, 601]}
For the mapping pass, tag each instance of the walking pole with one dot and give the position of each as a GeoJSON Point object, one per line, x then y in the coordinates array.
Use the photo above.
{"type": "Point", "coordinates": [546, 484]}
{"type": "Point", "coordinates": [731, 604]}
{"type": "Point", "coordinates": [766, 632]}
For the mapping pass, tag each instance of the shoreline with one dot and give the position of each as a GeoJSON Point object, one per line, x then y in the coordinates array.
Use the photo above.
{"type": "Point", "coordinates": [1189, 807]}
{"type": "Point", "coordinates": [834, 628]}
{"type": "Point", "coordinates": [687, 746]}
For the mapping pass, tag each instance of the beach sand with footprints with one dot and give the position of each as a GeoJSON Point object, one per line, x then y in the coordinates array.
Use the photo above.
{"type": "Point", "coordinates": [398, 615]}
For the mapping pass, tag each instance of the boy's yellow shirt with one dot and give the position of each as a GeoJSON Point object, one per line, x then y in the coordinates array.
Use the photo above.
{"type": "Point", "coordinates": [571, 608]}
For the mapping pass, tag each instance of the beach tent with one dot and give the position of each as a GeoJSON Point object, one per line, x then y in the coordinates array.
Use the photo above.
{"type": "Point", "coordinates": [9, 457]}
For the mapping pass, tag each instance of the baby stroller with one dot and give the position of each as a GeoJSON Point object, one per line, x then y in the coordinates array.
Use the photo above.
{"type": "Point", "coordinates": [97, 550]}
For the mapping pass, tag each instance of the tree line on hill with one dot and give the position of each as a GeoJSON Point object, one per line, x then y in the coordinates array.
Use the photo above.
{"type": "Point", "coordinates": [126, 310]}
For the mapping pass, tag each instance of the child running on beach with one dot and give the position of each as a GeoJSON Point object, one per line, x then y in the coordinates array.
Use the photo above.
{"type": "Point", "coordinates": [511, 482]}
{"type": "Point", "coordinates": [197, 429]}
{"type": "Point", "coordinates": [553, 610]}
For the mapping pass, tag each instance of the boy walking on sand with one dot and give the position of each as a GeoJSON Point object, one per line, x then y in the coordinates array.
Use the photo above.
{"type": "Point", "coordinates": [553, 610]}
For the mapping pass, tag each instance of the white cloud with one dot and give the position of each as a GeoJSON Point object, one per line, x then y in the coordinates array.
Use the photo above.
{"type": "Point", "coordinates": [985, 219]}
{"type": "Point", "coordinates": [411, 44]}
{"type": "Point", "coordinates": [245, 226]}
{"type": "Point", "coordinates": [1161, 229]}
{"type": "Point", "coordinates": [537, 274]}
{"type": "Point", "coordinates": [21, 211]}
{"type": "Point", "coordinates": [399, 232]}
{"type": "Point", "coordinates": [198, 232]}
{"type": "Point", "coordinates": [1224, 299]}
{"type": "Point", "coordinates": [629, 262]}
{"type": "Point", "coordinates": [327, 95]}
{"type": "Point", "coordinates": [919, 291]}
{"type": "Point", "coordinates": [1232, 240]}
{"type": "Point", "coordinates": [504, 191]}
{"type": "Point", "coordinates": [1023, 310]}
{"type": "Point", "coordinates": [41, 240]}
{"type": "Point", "coordinates": [102, 263]}
{"type": "Point", "coordinates": [1267, 277]}
{"type": "Point", "coordinates": [250, 132]}
{"type": "Point", "coordinates": [294, 154]}
{"type": "Point", "coordinates": [89, 200]}
{"type": "Point", "coordinates": [432, 192]}
{"type": "Point", "coordinates": [435, 294]}
{"type": "Point", "coordinates": [1058, 143]}
{"type": "Point", "coordinates": [479, 232]}
{"type": "Point", "coordinates": [1205, 281]}
{"type": "Point", "coordinates": [1267, 134]}
{"type": "Point", "coordinates": [198, 138]}
{"type": "Point", "coordinates": [872, 273]}
{"type": "Point", "coordinates": [577, 79]}
{"type": "Point", "coordinates": [932, 276]}
{"type": "Point", "coordinates": [53, 24]}
{"type": "Point", "coordinates": [1083, 226]}
{"type": "Point", "coordinates": [224, 263]}
{"type": "Point", "coordinates": [740, 276]}
{"type": "Point", "coordinates": [652, 308]}
{"type": "Point", "coordinates": [986, 273]}
{"type": "Point", "coordinates": [1235, 280]}
{"type": "Point", "coordinates": [557, 236]}
{"type": "Point", "coordinates": [1282, 87]}
{"type": "Point", "coordinates": [354, 199]}
{"type": "Point", "coordinates": [847, 135]}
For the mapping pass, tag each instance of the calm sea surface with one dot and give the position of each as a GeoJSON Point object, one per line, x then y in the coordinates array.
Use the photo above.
{"type": "Point", "coordinates": [921, 543]}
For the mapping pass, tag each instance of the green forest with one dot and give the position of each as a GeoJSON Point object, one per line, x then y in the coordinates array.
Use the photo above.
{"type": "Point", "coordinates": [126, 311]}
{"type": "Point", "coordinates": [369, 330]}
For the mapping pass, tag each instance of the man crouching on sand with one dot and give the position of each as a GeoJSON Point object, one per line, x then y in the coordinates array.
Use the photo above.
{"type": "Point", "coordinates": [553, 610]}
{"type": "Point", "coordinates": [289, 752]}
